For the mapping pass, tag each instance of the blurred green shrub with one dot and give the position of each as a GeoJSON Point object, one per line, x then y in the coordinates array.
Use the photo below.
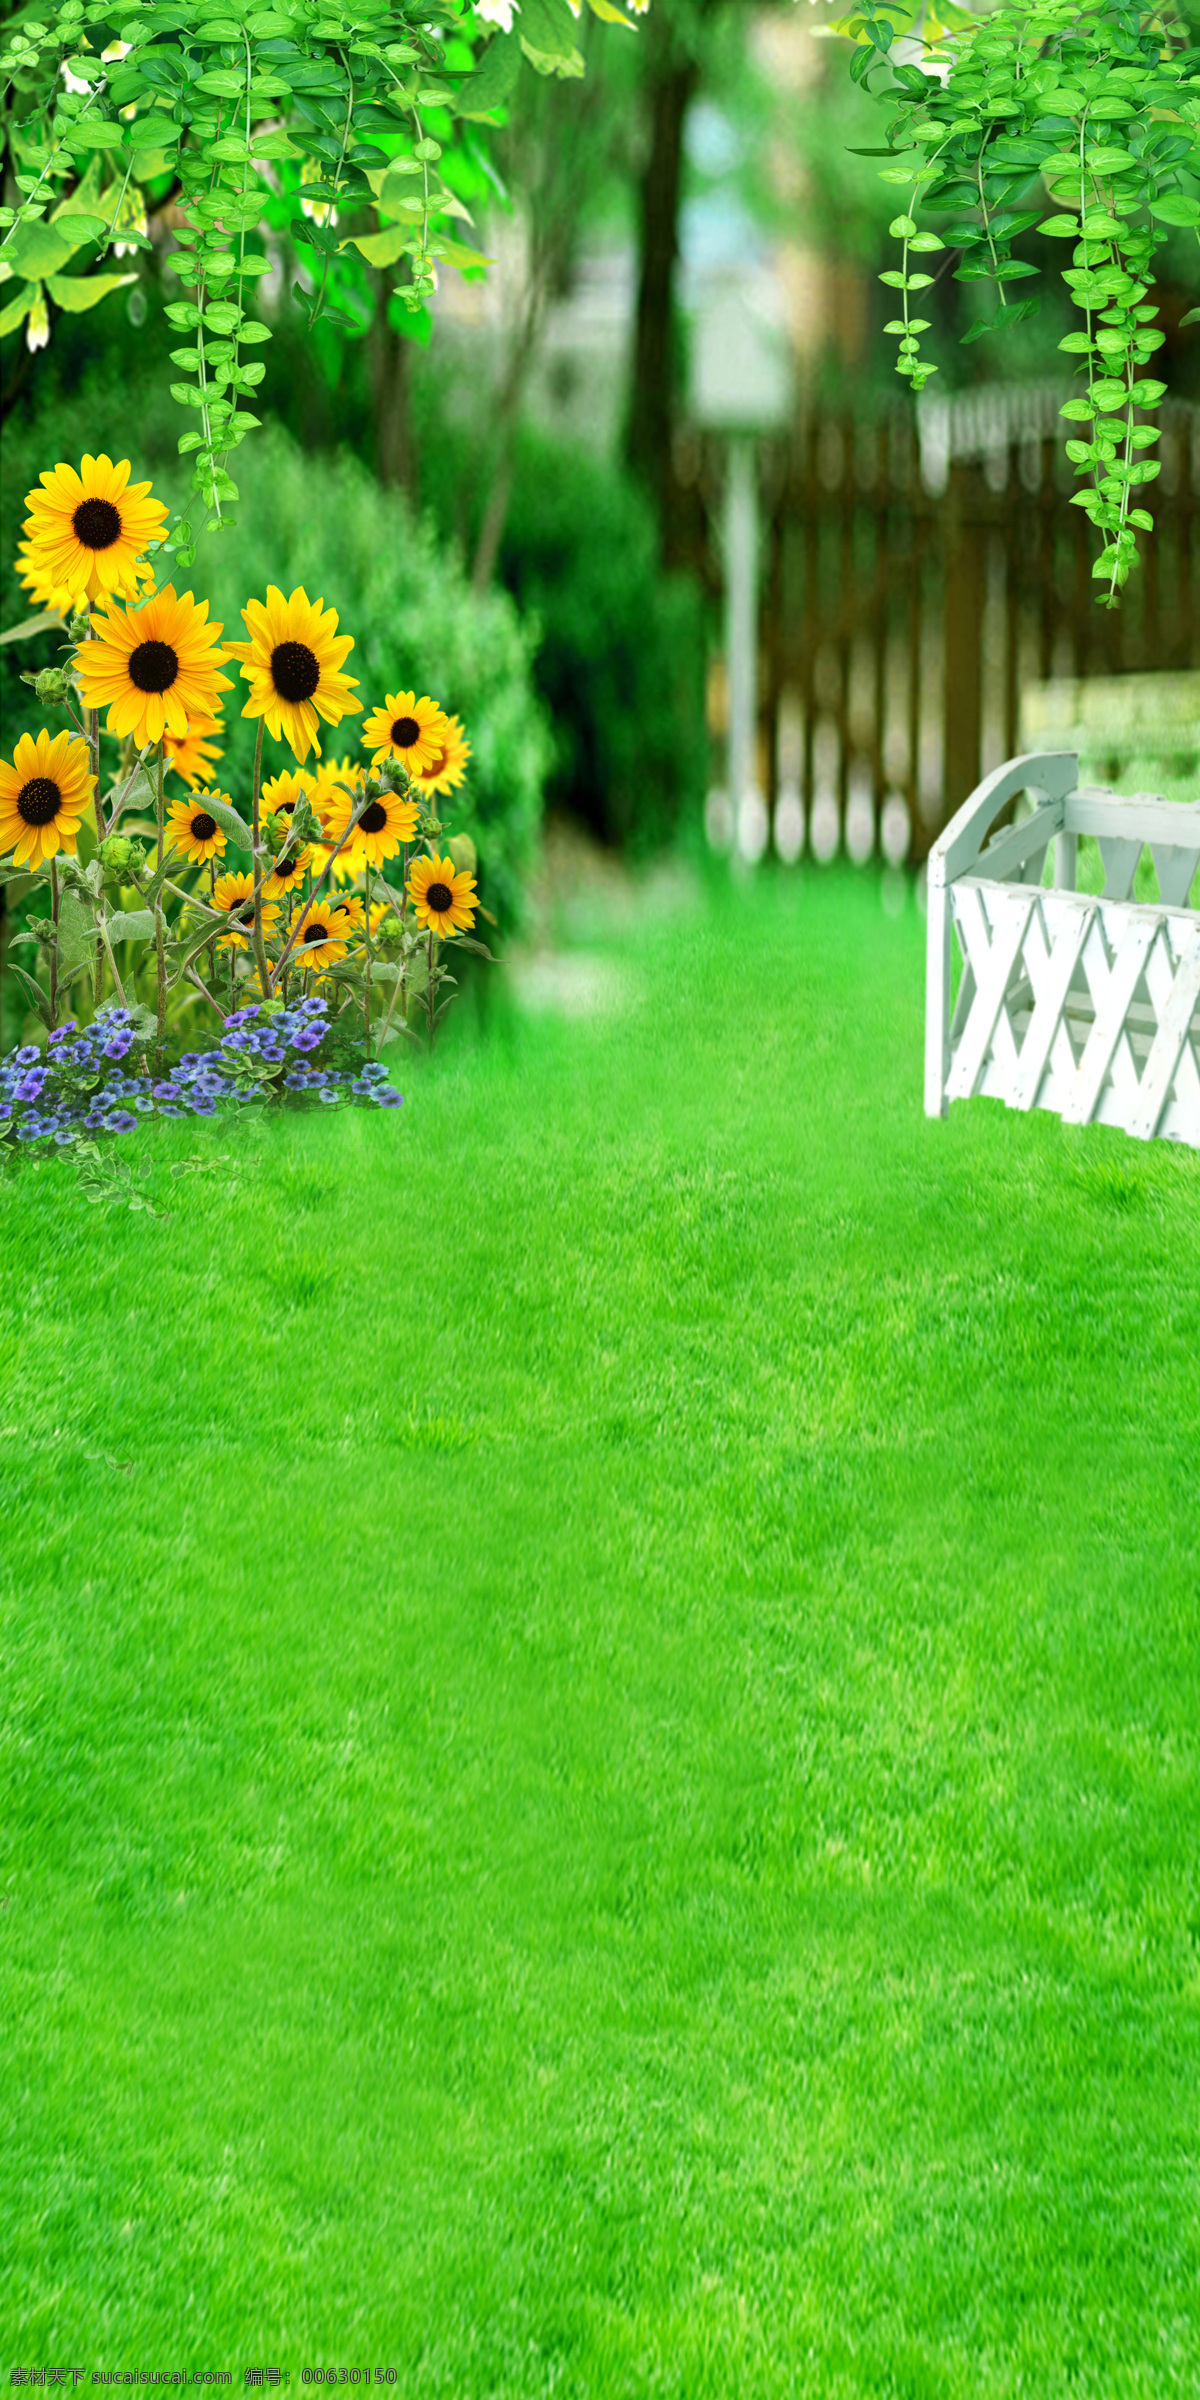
{"type": "Point", "coordinates": [620, 659]}
{"type": "Point", "coordinates": [324, 522]}
{"type": "Point", "coordinates": [621, 645]}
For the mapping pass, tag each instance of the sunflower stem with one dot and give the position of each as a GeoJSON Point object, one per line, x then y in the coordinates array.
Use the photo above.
{"type": "Point", "coordinates": [260, 955]}
{"type": "Point", "coordinates": [212, 947]}
{"type": "Point", "coordinates": [54, 944]}
{"type": "Point", "coordinates": [367, 921]}
{"type": "Point", "coordinates": [318, 888]}
{"type": "Point", "coordinates": [103, 924]}
{"type": "Point", "coordinates": [429, 988]}
{"type": "Point", "coordinates": [159, 953]}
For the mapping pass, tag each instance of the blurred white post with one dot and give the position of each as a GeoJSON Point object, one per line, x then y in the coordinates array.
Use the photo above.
{"type": "Point", "coordinates": [741, 616]}
{"type": "Point", "coordinates": [741, 387]}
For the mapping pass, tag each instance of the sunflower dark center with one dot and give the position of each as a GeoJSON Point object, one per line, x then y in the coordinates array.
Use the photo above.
{"type": "Point", "coordinates": [405, 732]}
{"type": "Point", "coordinates": [316, 933]}
{"type": "Point", "coordinates": [39, 802]}
{"type": "Point", "coordinates": [294, 671]}
{"type": "Point", "coordinates": [203, 827]}
{"type": "Point", "coordinates": [97, 524]}
{"type": "Point", "coordinates": [439, 896]}
{"type": "Point", "coordinates": [287, 866]}
{"type": "Point", "coordinates": [153, 666]}
{"type": "Point", "coordinates": [373, 819]}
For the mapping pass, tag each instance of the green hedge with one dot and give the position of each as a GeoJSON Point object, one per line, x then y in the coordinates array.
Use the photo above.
{"type": "Point", "coordinates": [323, 522]}
{"type": "Point", "coordinates": [621, 648]}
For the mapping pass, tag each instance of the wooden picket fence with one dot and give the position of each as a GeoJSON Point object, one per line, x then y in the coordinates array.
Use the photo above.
{"type": "Point", "coordinates": [918, 571]}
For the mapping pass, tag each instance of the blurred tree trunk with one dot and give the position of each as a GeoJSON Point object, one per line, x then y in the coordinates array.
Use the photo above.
{"type": "Point", "coordinates": [391, 378]}
{"type": "Point", "coordinates": [672, 77]}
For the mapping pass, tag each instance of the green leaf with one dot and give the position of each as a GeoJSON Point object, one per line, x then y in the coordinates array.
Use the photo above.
{"type": "Point", "coordinates": [229, 822]}
{"type": "Point", "coordinates": [456, 254]}
{"type": "Point", "coordinates": [40, 999]}
{"type": "Point", "coordinates": [549, 27]}
{"type": "Point", "coordinates": [37, 250]}
{"type": "Point", "coordinates": [1175, 209]}
{"type": "Point", "coordinates": [76, 934]}
{"type": "Point", "coordinates": [18, 309]}
{"type": "Point", "coordinates": [95, 133]}
{"type": "Point", "coordinates": [1063, 228]}
{"type": "Point", "coordinates": [78, 292]}
{"type": "Point", "coordinates": [131, 925]}
{"type": "Point", "coordinates": [28, 626]}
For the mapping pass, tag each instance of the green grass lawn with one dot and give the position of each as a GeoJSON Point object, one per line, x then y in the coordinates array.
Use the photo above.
{"type": "Point", "coordinates": [601, 1697]}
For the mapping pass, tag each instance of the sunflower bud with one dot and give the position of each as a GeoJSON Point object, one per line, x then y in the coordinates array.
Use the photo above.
{"type": "Point", "coordinates": [52, 686]}
{"type": "Point", "coordinates": [80, 626]}
{"type": "Point", "coordinates": [116, 851]}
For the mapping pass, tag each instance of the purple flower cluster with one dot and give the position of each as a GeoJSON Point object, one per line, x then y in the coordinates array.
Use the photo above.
{"type": "Point", "coordinates": [79, 1085]}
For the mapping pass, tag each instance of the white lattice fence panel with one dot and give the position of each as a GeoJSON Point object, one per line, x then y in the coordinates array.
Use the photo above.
{"type": "Point", "coordinates": [1086, 1005]}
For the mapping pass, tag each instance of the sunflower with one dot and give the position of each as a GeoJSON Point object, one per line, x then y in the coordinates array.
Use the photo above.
{"type": "Point", "coordinates": [41, 586]}
{"type": "Point", "coordinates": [332, 806]}
{"type": "Point", "coordinates": [154, 668]}
{"type": "Point", "coordinates": [288, 873]}
{"type": "Point", "coordinates": [278, 797]}
{"type": "Point", "coordinates": [349, 905]}
{"type": "Point", "coordinates": [386, 825]}
{"type": "Point", "coordinates": [191, 829]}
{"type": "Point", "coordinates": [87, 530]}
{"type": "Point", "coordinates": [235, 894]}
{"type": "Point", "coordinates": [43, 796]}
{"type": "Point", "coordinates": [405, 728]}
{"type": "Point", "coordinates": [444, 895]}
{"type": "Point", "coordinates": [32, 574]}
{"type": "Point", "coordinates": [446, 771]}
{"type": "Point", "coordinates": [292, 663]}
{"type": "Point", "coordinates": [194, 754]}
{"type": "Point", "coordinates": [323, 936]}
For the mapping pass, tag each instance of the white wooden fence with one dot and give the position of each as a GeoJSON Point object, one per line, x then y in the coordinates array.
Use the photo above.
{"type": "Point", "coordinates": [1088, 1004]}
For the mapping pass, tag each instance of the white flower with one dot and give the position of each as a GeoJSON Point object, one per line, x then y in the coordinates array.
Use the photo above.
{"type": "Point", "coordinates": [74, 83]}
{"type": "Point", "coordinates": [115, 50]}
{"type": "Point", "coordinates": [496, 12]}
{"type": "Point", "coordinates": [37, 331]}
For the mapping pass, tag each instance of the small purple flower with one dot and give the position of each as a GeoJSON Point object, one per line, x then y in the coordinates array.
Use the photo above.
{"type": "Point", "coordinates": [31, 1130]}
{"type": "Point", "coordinates": [387, 1096]}
{"type": "Point", "coordinates": [66, 1133]}
{"type": "Point", "coordinates": [249, 1091]}
{"type": "Point", "coordinates": [29, 1086]}
{"type": "Point", "coordinates": [202, 1106]}
{"type": "Point", "coordinates": [317, 1076]}
{"type": "Point", "coordinates": [327, 1095]}
{"type": "Point", "coordinates": [122, 1122]}
{"type": "Point", "coordinates": [237, 1041]}
{"type": "Point", "coordinates": [374, 1071]}
{"type": "Point", "coordinates": [272, 1055]}
{"type": "Point", "coordinates": [312, 1006]}
{"type": "Point", "coordinates": [118, 1046]}
{"type": "Point", "coordinates": [171, 1112]}
{"type": "Point", "coordinates": [144, 1102]}
{"type": "Point", "coordinates": [28, 1056]}
{"type": "Point", "coordinates": [163, 1091]}
{"type": "Point", "coordinates": [309, 1041]}
{"type": "Point", "coordinates": [297, 1081]}
{"type": "Point", "coordinates": [5, 1108]}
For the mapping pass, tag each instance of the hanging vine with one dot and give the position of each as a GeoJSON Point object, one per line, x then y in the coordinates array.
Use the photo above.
{"type": "Point", "coordinates": [1095, 104]}
{"type": "Point", "coordinates": [298, 116]}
